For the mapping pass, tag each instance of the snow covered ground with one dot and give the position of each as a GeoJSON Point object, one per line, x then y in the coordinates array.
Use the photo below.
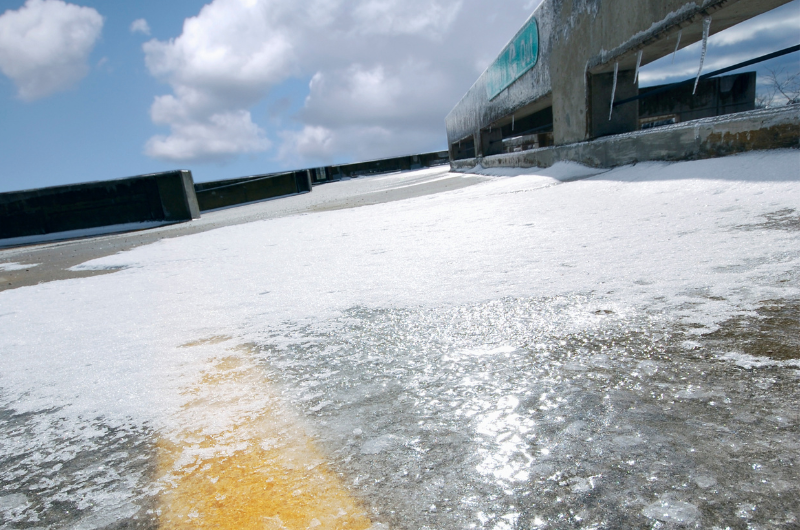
{"type": "Point", "coordinates": [533, 351]}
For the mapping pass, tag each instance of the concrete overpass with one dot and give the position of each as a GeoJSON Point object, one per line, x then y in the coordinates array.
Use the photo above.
{"type": "Point", "coordinates": [555, 78]}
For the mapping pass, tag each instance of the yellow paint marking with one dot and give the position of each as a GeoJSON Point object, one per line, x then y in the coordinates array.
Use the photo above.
{"type": "Point", "coordinates": [241, 460]}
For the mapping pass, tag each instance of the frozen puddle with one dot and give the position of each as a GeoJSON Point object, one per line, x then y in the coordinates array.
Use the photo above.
{"type": "Point", "coordinates": [570, 417]}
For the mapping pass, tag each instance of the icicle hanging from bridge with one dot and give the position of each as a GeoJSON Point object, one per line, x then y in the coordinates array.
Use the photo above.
{"type": "Point", "coordinates": [638, 66]}
{"type": "Point", "coordinates": [512, 122]}
{"type": "Point", "coordinates": [706, 30]}
{"type": "Point", "coordinates": [677, 45]}
{"type": "Point", "coordinates": [613, 90]}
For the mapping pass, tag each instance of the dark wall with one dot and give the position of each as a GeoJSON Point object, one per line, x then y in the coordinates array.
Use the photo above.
{"type": "Point", "coordinates": [715, 97]}
{"type": "Point", "coordinates": [385, 165]}
{"type": "Point", "coordinates": [158, 197]}
{"type": "Point", "coordinates": [232, 192]}
{"type": "Point", "coordinates": [226, 193]}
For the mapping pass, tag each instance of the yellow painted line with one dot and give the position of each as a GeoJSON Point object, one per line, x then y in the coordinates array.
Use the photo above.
{"type": "Point", "coordinates": [242, 460]}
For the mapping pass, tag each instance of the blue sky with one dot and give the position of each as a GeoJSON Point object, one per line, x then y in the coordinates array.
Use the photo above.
{"type": "Point", "coordinates": [238, 87]}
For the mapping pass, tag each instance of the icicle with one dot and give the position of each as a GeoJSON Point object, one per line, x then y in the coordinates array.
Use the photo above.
{"type": "Point", "coordinates": [677, 45]}
{"type": "Point", "coordinates": [706, 29]}
{"type": "Point", "coordinates": [512, 122]}
{"type": "Point", "coordinates": [638, 66]}
{"type": "Point", "coordinates": [613, 90]}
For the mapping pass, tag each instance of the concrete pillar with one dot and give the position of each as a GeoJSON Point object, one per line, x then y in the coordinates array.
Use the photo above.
{"type": "Point", "coordinates": [178, 196]}
{"type": "Point", "coordinates": [303, 181]}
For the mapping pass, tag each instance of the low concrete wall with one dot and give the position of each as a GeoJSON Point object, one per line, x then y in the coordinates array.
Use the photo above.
{"type": "Point", "coordinates": [233, 192]}
{"type": "Point", "coordinates": [227, 193]}
{"type": "Point", "coordinates": [699, 139]}
{"type": "Point", "coordinates": [385, 165]}
{"type": "Point", "coordinates": [167, 197]}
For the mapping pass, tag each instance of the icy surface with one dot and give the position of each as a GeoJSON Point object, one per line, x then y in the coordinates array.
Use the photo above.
{"type": "Point", "coordinates": [16, 266]}
{"type": "Point", "coordinates": [523, 353]}
{"type": "Point", "coordinates": [565, 410]}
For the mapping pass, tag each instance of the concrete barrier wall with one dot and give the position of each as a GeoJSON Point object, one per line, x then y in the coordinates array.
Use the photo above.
{"type": "Point", "coordinates": [227, 193]}
{"type": "Point", "coordinates": [167, 197]}
{"type": "Point", "coordinates": [384, 165]}
{"type": "Point", "coordinates": [579, 44]}
{"type": "Point", "coordinates": [694, 140]}
{"type": "Point", "coordinates": [233, 192]}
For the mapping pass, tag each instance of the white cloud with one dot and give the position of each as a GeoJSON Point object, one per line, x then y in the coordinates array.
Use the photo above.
{"type": "Point", "coordinates": [399, 17]}
{"type": "Point", "coordinates": [384, 73]}
{"type": "Point", "coordinates": [45, 45]}
{"type": "Point", "coordinates": [312, 142]}
{"type": "Point", "coordinates": [783, 22]}
{"type": "Point", "coordinates": [140, 25]}
{"type": "Point", "coordinates": [223, 63]}
{"type": "Point", "coordinates": [218, 137]}
{"type": "Point", "coordinates": [316, 144]}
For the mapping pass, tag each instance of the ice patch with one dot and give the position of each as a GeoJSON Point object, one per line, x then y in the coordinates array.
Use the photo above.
{"type": "Point", "coordinates": [669, 511]}
{"type": "Point", "coordinates": [648, 368]}
{"type": "Point", "coordinates": [749, 362]}
{"type": "Point", "coordinates": [582, 485]}
{"type": "Point", "coordinates": [14, 502]}
{"type": "Point", "coordinates": [705, 481]}
{"type": "Point", "coordinates": [380, 444]}
{"type": "Point", "coordinates": [746, 511]}
{"type": "Point", "coordinates": [489, 351]}
{"type": "Point", "coordinates": [628, 441]}
{"type": "Point", "coordinates": [16, 266]}
{"type": "Point", "coordinates": [695, 393]}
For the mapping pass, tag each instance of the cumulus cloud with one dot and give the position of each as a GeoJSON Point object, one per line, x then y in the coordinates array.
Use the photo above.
{"type": "Point", "coordinates": [45, 45]}
{"type": "Point", "coordinates": [769, 32]}
{"type": "Point", "coordinates": [776, 24]}
{"type": "Point", "coordinates": [221, 135]}
{"type": "Point", "coordinates": [140, 25]}
{"type": "Point", "coordinates": [383, 73]}
{"type": "Point", "coordinates": [409, 17]}
{"type": "Point", "coordinates": [223, 63]}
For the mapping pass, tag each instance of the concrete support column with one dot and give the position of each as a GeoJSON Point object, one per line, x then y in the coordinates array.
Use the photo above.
{"type": "Point", "coordinates": [477, 142]}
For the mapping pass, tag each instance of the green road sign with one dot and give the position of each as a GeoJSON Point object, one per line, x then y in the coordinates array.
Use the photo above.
{"type": "Point", "coordinates": [518, 57]}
